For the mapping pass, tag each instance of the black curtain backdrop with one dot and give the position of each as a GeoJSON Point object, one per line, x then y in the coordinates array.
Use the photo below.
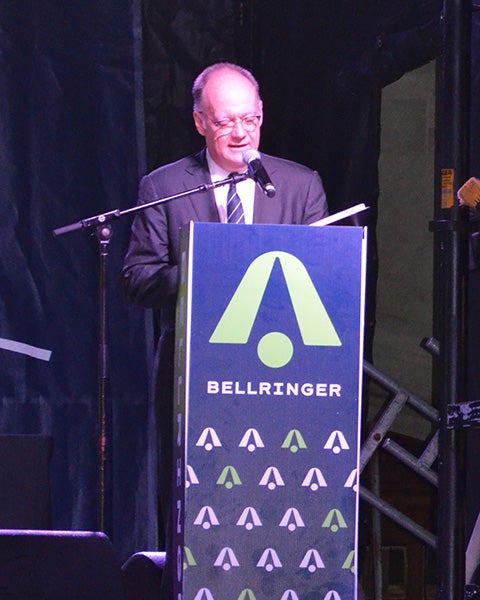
{"type": "Point", "coordinates": [72, 146]}
{"type": "Point", "coordinates": [179, 39]}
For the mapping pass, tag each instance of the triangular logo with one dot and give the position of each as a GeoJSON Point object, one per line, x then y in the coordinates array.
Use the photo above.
{"type": "Point", "coordinates": [249, 519]}
{"type": "Point", "coordinates": [190, 477]}
{"type": "Point", "coordinates": [204, 594]}
{"type": "Point", "coordinates": [312, 561]}
{"type": "Point", "coordinates": [188, 559]}
{"type": "Point", "coordinates": [291, 520]}
{"type": "Point", "coordinates": [289, 595]}
{"type": "Point", "coordinates": [275, 349]}
{"type": "Point", "coordinates": [334, 521]}
{"type": "Point", "coordinates": [206, 518]}
{"type": "Point", "coordinates": [349, 563]}
{"type": "Point", "coordinates": [294, 441]}
{"type": "Point", "coordinates": [272, 478]}
{"type": "Point", "coordinates": [269, 560]}
{"type": "Point", "coordinates": [352, 480]}
{"type": "Point", "coordinates": [336, 442]}
{"type": "Point", "coordinates": [209, 439]}
{"type": "Point", "coordinates": [314, 479]}
{"type": "Point", "coordinates": [229, 478]}
{"type": "Point", "coordinates": [251, 440]}
{"type": "Point", "coordinates": [246, 594]}
{"type": "Point", "coordinates": [226, 559]}
{"type": "Point", "coordinates": [332, 596]}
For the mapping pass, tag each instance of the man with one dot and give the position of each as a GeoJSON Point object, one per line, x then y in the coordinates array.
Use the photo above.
{"type": "Point", "coordinates": [228, 113]}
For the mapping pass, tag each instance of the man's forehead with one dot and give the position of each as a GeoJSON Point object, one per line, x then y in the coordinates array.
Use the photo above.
{"type": "Point", "coordinates": [224, 81]}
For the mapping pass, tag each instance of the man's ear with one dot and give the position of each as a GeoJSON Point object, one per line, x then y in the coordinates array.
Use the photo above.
{"type": "Point", "coordinates": [199, 122]}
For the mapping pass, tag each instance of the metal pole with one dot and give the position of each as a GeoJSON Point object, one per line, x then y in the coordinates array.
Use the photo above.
{"type": "Point", "coordinates": [450, 292]}
{"type": "Point", "coordinates": [104, 234]}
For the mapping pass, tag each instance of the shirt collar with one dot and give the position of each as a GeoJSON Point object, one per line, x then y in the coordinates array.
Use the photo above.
{"type": "Point", "coordinates": [216, 172]}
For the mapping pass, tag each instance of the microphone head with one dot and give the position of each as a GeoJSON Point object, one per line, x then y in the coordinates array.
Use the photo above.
{"type": "Point", "coordinates": [250, 155]}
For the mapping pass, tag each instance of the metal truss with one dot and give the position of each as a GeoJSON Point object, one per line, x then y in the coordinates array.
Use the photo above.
{"type": "Point", "coordinates": [378, 437]}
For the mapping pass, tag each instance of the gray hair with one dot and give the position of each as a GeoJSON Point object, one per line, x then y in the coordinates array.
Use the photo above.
{"type": "Point", "coordinates": [201, 81]}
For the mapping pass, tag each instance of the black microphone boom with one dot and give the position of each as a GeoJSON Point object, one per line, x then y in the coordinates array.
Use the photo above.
{"type": "Point", "coordinates": [257, 172]}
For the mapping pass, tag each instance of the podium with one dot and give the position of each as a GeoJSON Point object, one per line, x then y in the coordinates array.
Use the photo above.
{"type": "Point", "coordinates": [268, 392]}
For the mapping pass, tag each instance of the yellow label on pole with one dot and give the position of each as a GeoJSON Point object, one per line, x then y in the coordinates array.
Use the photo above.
{"type": "Point", "coordinates": [447, 188]}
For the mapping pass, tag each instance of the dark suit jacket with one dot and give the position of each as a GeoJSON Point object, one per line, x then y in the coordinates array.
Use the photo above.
{"type": "Point", "coordinates": [150, 271]}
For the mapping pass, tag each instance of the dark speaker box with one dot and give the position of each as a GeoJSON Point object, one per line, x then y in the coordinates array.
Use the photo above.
{"type": "Point", "coordinates": [142, 575]}
{"type": "Point", "coordinates": [58, 565]}
{"type": "Point", "coordinates": [25, 481]}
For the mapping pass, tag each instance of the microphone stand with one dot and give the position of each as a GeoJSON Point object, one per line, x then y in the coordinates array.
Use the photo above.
{"type": "Point", "coordinates": [105, 218]}
{"type": "Point", "coordinates": [102, 227]}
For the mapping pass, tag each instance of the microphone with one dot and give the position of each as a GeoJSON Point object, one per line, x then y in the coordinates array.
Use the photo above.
{"type": "Point", "coordinates": [257, 172]}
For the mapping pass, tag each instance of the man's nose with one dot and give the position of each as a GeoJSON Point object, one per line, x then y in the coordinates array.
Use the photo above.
{"type": "Point", "coordinates": [238, 129]}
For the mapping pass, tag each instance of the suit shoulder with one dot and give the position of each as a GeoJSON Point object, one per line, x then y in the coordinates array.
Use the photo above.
{"type": "Point", "coordinates": [183, 164]}
{"type": "Point", "coordinates": [172, 178]}
{"type": "Point", "coordinates": [285, 164]}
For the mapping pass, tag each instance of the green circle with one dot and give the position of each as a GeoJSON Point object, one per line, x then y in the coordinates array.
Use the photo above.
{"type": "Point", "coordinates": [275, 349]}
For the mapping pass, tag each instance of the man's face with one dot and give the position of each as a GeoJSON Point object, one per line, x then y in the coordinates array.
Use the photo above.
{"type": "Point", "coordinates": [228, 97]}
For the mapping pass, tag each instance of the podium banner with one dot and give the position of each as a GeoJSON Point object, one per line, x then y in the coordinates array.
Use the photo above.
{"type": "Point", "coordinates": [268, 383]}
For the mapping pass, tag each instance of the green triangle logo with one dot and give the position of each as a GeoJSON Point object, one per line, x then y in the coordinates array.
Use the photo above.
{"type": "Point", "coordinates": [294, 441]}
{"type": "Point", "coordinates": [334, 520]}
{"type": "Point", "coordinates": [275, 349]}
{"type": "Point", "coordinates": [229, 478]}
{"type": "Point", "coordinates": [246, 594]}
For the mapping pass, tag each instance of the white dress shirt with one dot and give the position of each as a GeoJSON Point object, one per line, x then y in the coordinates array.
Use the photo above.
{"type": "Point", "coordinates": [245, 189]}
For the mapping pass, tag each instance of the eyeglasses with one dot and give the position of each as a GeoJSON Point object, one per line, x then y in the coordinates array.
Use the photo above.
{"type": "Point", "coordinates": [248, 122]}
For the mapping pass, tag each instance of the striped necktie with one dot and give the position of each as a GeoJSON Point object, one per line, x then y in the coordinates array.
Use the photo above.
{"type": "Point", "coordinates": [234, 205]}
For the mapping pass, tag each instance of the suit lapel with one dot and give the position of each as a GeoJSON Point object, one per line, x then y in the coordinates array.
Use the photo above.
{"type": "Point", "coordinates": [202, 203]}
{"type": "Point", "coordinates": [261, 210]}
